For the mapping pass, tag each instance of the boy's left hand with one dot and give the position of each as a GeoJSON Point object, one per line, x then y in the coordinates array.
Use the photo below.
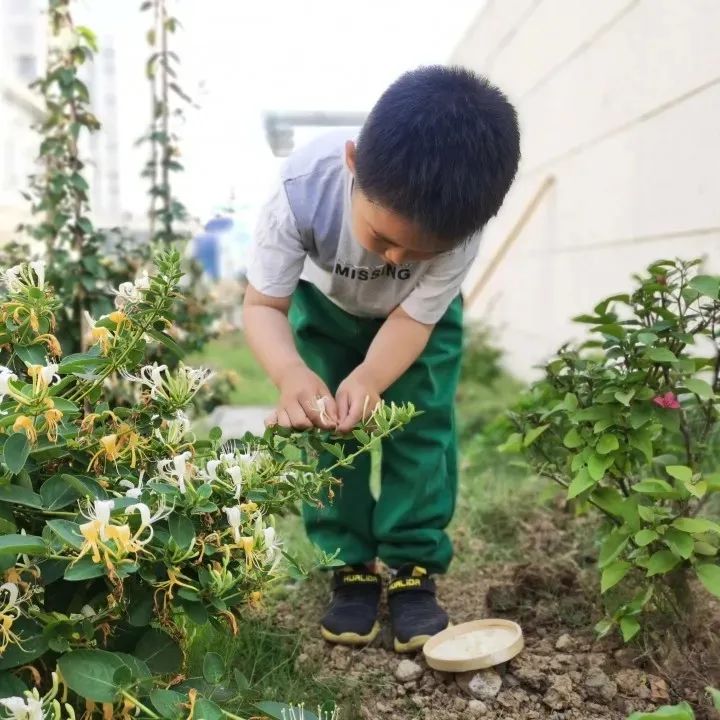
{"type": "Point", "coordinates": [356, 399]}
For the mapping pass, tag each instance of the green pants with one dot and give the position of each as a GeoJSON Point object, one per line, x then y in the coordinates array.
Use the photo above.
{"type": "Point", "coordinates": [419, 465]}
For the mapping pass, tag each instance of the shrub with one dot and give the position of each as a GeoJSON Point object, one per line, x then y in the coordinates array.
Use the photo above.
{"type": "Point", "coordinates": [119, 531]}
{"type": "Point", "coordinates": [627, 423]}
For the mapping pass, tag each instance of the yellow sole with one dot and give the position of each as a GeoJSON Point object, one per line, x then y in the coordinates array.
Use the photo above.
{"type": "Point", "coordinates": [412, 645]}
{"type": "Point", "coordinates": [350, 638]}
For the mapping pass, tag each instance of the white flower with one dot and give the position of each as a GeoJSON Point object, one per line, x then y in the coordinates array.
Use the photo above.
{"type": "Point", "coordinates": [211, 470]}
{"type": "Point", "coordinates": [234, 520]}
{"type": "Point", "coordinates": [235, 473]}
{"type": "Point", "coordinates": [11, 278]}
{"type": "Point", "coordinates": [23, 709]}
{"type": "Point", "coordinates": [87, 611]}
{"type": "Point", "coordinates": [147, 520]}
{"type": "Point", "coordinates": [272, 544]}
{"type": "Point", "coordinates": [133, 491]}
{"type": "Point", "coordinates": [178, 388]}
{"type": "Point", "coordinates": [126, 294]}
{"type": "Point", "coordinates": [49, 373]}
{"type": "Point", "coordinates": [176, 469]}
{"type": "Point", "coordinates": [5, 376]}
{"type": "Point", "coordinates": [98, 516]}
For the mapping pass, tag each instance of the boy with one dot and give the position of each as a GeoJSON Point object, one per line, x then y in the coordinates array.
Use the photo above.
{"type": "Point", "coordinates": [354, 294]}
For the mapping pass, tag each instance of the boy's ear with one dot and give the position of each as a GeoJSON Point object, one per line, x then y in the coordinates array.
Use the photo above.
{"type": "Point", "coordinates": [350, 151]}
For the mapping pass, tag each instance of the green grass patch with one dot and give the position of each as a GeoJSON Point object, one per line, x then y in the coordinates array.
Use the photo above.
{"type": "Point", "coordinates": [231, 352]}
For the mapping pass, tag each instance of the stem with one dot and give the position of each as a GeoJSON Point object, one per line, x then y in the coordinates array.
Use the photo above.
{"type": "Point", "coordinates": [138, 704]}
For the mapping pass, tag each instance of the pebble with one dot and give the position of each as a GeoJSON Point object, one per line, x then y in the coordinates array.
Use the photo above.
{"type": "Point", "coordinates": [633, 682]}
{"type": "Point", "coordinates": [477, 708]}
{"type": "Point", "coordinates": [658, 689]}
{"type": "Point", "coordinates": [407, 671]}
{"type": "Point", "coordinates": [482, 685]}
{"type": "Point", "coordinates": [564, 642]}
{"type": "Point", "coordinates": [600, 686]}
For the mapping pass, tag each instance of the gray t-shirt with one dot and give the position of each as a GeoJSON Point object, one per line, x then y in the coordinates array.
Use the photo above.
{"type": "Point", "coordinates": [304, 232]}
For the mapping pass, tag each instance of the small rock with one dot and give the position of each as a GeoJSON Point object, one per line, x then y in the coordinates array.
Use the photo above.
{"type": "Point", "coordinates": [600, 686]}
{"type": "Point", "coordinates": [382, 707]}
{"type": "Point", "coordinates": [625, 656]}
{"type": "Point", "coordinates": [482, 684]}
{"type": "Point", "coordinates": [528, 674]}
{"type": "Point", "coordinates": [407, 671]}
{"type": "Point", "coordinates": [303, 659]}
{"type": "Point", "coordinates": [632, 682]}
{"type": "Point", "coordinates": [417, 701]}
{"type": "Point", "coordinates": [658, 689]}
{"type": "Point", "coordinates": [477, 708]}
{"type": "Point", "coordinates": [561, 695]}
{"type": "Point", "coordinates": [459, 704]}
{"type": "Point", "coordinates": [564, 642]}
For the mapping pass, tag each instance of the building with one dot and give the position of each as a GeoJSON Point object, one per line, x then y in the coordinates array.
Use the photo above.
{"type": "Point", "coordinates": [619, 103]}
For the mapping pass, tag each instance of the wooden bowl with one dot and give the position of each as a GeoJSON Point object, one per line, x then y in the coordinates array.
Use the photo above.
{"type": "Point", "coordinates": [503, 640]}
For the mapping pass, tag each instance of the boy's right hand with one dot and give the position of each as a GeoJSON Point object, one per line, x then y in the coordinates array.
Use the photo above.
{"type": "Point", "coordinates": [305, 402]}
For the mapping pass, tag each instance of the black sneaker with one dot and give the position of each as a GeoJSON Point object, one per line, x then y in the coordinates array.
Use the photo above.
{"type": "Point", "coordinates": [414, 612]}
{"type": "Point", "coordinates": [351, 618]}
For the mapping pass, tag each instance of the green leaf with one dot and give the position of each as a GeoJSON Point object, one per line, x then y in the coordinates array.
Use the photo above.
{"type": "Point", "coordinates": [645, 537]}
{"type": "Point", "coordinates": [642, 440]}
{"type": "Point", "coordinates": [660, 355]}
{"type": "Point", "coordinates": [679, 542]}
{"type": "Point", "coordinates": [161, 653]}
{"type": "Point", "coordinates": [532, 435]}
{"type": "Point", "coordinates": [208, 710]}
{"type": "Point", "coordinates": [67, 531]}
{"type": "Point", "coordinates": [513, 444]}
{"type": "Point", "coordinates": [57, 493]}
{"type": "Point", "coordinates": [17, 495]}
{"type": "Point", "coordinates": [656, 488]}
{"type": "Point", "coordinates": [182, 530]}
{"type": "Point", "coordinates": [707, 285]}
{"type": "Point", "coordinates": [361, 436]}
{"type": "Point", "coordinates": [607, 444]}
{"type": "Point", "coordinates": [611, 547]}
{"type": "Point", "coordinates": [613, 574]}
{"type": "Point", "coordinates": [668, 712]}
{"type": "Point", "coordinates": [7, 520]}
{"type": "Point", "coordinates": [213, 668]}
{"type": "Point", "coordinates": [167, 341]}
{"type": "Point", "coordinates": [696, 525]}
{"type": "Point", "coordinates": [10, 685]}
{"type": "Point", "coordinates": [662, 562]}
{"type": "Point", "coordinates": [16, 544]}
{"type": "Point", "coordinates": [84, 569]}
{"type": "Point", "coordinates": [573, 439]}
{"type": "Point", "coordinates": [679, 472]}
{"type": "Point", "coordinates": [168, 703]}
{"type": "Point", "coordinates": [90, 673]}
{"type": "Point", "coordinates": [581, 482]}
{"type": "Point", "coordinates": [701, 388]}
{"type": "Point", "coordinates": [629, 627]}
{"type": "Point", "coordinates": [709, 576]}
{"type": "Point", "coordinates": [15, 452]}
{"type": "Point", "coordinates": [624, 397]}
{"type": "Point", "coordinates": [34, 644]}
{"type": "Point", "coordinates": [604, 627]}
{"type": "Point", "coordinates": [597, 465]}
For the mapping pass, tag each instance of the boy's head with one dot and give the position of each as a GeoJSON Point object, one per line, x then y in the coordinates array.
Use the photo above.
{"type": "Point", "coordinates": [433, 163]}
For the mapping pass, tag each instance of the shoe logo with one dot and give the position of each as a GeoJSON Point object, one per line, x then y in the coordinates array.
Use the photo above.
{"type": "Point", "coordinates": [358, 578]}
{"type": "Point", "coordinates": [405, 583]}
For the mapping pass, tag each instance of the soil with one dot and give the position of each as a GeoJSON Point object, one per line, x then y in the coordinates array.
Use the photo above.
{"type": "Point", "coordinates": [564, 672]}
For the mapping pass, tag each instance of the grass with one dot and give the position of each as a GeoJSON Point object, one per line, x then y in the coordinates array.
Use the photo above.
{"type": "Point", "coordinates": [231, 352]}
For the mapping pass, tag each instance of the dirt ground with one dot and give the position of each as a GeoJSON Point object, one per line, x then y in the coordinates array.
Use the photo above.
{"type": "Point", "coordinates": [563, 673]}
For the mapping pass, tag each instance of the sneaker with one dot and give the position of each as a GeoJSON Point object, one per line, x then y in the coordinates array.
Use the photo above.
{"type": "Point", "coordinates": [414, 611]}
{"type": "Point", "coordinates": [351, 618]}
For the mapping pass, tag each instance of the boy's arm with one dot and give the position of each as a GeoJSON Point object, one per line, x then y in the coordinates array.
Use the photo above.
{"type": "Point", "coordinates": [268, 333]}
{"type": "Point", "coordinates": [397, 345]}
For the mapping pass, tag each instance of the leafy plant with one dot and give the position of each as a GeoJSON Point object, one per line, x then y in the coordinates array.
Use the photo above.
{"type": "Point", "coordinates": [119, 531]}
{"type": "Point", "coordinates": [627, 423]}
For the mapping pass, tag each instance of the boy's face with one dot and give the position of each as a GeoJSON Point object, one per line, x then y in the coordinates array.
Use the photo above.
{"type": "Point", "coordinates": [393, 237]}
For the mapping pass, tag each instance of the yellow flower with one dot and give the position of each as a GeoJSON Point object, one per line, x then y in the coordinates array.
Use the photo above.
{"type": "Point", "coordinates": [52, 342]}
{"type": "Point", "coordinates": [10, 611]}
{"type": "Point", "coordinates": [27, 425]}
{"type": "Point", "coordinates": [108, 447]}
{"type": "Point", "coordinates": [248, 545]}
{"type": "Point", "coordinates": [52, 418]}
{"type": "Point", "coordinates": [118, 317]}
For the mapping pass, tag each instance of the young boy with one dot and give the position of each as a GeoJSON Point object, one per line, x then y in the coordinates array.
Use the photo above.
{"type": "Point", "coordinates": [354, 295]}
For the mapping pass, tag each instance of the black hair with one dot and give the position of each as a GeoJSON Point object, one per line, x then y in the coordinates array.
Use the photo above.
{"type": "Point", "coordinates": [441, 147]}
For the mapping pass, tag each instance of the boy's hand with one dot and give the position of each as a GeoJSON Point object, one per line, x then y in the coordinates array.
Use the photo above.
{"type": "Point", "coordinates": [305, 401]}
{"type": "Point", "coordinates": [356, 399]}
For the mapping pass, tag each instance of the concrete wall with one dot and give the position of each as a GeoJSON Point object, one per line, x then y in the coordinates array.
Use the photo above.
{"type": "Point", "coordinates": [619, 100]}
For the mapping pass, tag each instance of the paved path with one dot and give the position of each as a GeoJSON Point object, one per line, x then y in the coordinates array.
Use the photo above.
{"type": "Point", "coordinates": [236, 421]}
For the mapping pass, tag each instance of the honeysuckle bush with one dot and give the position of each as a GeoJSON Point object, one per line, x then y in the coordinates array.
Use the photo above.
{"type": "Point", "coordinates": [627, 423]}
{"type": "Point", "coordinates": [120, 532]}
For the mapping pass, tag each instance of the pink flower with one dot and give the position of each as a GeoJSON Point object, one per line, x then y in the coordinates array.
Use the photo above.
{"type": "Point", "coordinates": [668, 400]}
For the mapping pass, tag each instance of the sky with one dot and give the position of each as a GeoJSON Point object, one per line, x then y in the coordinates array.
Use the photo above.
{"type": "Point", "coordinates": [241, 58]}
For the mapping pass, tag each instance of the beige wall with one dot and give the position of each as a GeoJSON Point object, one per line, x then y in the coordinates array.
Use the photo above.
{"type": "Point", "coordinates": [619, 100]}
